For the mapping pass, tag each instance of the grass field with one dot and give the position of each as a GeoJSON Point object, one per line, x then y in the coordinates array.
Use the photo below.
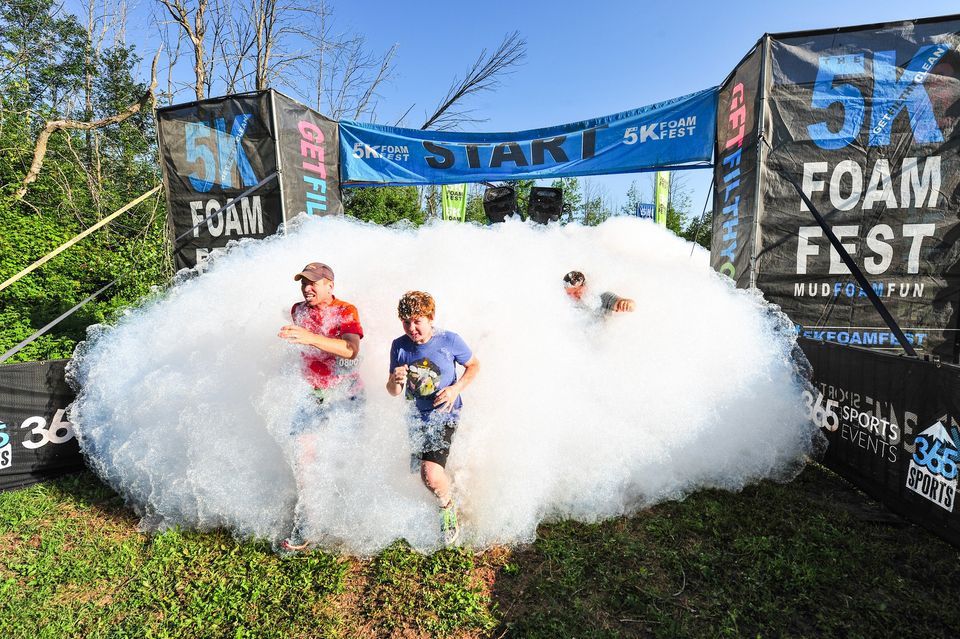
{"type": "Point", "coordinates": [810, 558]}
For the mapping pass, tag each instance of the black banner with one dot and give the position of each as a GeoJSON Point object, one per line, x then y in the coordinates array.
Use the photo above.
{"type": "Point", "coordinates": [213, 151]}
{"type": "Point", "coordinates": [36, 440]}
{"type": "Point", "coordinates": [894, 429]}
{"type": "Point", "coordinates": [735, 174]}
{"type": "Point", "coordinates": [864, 121]}
{"type": "Point", "coordinates": [309, 159]}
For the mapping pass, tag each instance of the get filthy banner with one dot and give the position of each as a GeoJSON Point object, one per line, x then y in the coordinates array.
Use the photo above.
{"type": "Point", "coordinates": [864, 122]}
{"type": "Point", "coordinates": [673, 134]}
{"type": "Point", "coordinates": [310, 171]}
{"type": "Point", "coordinates": [735, 171]}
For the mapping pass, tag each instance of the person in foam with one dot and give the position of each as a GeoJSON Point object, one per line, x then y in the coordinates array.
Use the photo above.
{"type": "Point", "coordinates": [575, 285]}
{"type": "Point", "coordinates": [423, 363]}
{"type": "Point", "coordinates": [330, 329]}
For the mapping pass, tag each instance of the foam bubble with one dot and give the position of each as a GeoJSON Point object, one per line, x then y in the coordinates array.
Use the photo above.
{"type": "Point", "coordinates": [187, 404]}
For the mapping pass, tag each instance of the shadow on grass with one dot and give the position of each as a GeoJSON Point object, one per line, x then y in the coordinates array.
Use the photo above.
{"type": "Point", "coordinates": [810, 558]}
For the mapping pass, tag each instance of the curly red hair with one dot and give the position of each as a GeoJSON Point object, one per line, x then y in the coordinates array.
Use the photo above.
{"type": "Point", "coordinates": [416, 304]}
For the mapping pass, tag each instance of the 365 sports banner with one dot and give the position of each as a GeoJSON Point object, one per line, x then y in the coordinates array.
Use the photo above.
{"type": "Point", "coordinates": [893, 426]}
{"type": "Point", "coordinates": [676, 134]}
{"type": "Point", "coordinates": [37, 441]}
{"type": "Point", "coordinates": [862, 121]}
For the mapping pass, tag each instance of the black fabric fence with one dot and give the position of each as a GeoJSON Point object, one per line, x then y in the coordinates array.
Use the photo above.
{"type": "Point", "coordinates": [36, 440]}
{"type": "Point", "coordinates": [892, 423]}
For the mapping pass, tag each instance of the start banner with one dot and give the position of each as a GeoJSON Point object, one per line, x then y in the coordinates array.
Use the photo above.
{"type": "Point", "coordinates": [675, 134]}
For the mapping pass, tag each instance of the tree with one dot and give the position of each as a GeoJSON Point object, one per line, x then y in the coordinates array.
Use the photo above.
{"type": "Point", "coordinates": [595, 207]}
{"type": "Point", "coordinates": [475, 212]}
{"type": "Point", "coordinates": [634, 199]}
{"type": "Point", "coordinates": [52, 126]}
{"type": "Point", "coordinates": [257, 44]}
{"type": "Point", "coordinates": [572, 198]}
{"type": "Point", "coordinates": [195, 24]}
{"type": "Point", "coordinates": [700, 230]}
{"type": "Point", "coordinates": [384, 204]}
{"type": "Point", "coordinates": [41, 56]}
{"type": "Point", "coordinates": [51, 65]}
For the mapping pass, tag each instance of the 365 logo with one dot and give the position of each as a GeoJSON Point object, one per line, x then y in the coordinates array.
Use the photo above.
{"type": "Point", "coordinates": [933, 468]}
{"type": "Point", "coordinates": [822, 411]}
{"type": "Point", "coordinates": [6, 452]}
{"type": "Point", "coordinates": [57, 431]}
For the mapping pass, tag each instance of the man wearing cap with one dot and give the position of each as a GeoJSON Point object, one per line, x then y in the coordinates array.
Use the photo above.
{"type": "Point", "coordinates": [331, 330]}
{"type": "Point", "coordinates": [575, 285]}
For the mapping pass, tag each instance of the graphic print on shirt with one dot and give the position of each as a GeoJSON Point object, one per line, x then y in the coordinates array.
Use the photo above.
{"type": "Point", "coordinates": [423, 377]}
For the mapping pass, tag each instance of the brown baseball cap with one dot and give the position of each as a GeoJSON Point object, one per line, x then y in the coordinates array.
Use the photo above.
{"type": "Point", "coordinates": [315, 271]}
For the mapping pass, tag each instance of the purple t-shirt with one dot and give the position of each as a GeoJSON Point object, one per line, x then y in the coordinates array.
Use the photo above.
{"type": "Point", "coordinates": [430, 366]}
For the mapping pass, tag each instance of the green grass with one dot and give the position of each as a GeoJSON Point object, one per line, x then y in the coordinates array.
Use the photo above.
{"type": "Point", "coordinates": [810, 558]}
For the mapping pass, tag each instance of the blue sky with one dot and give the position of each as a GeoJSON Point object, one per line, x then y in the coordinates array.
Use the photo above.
{"type": "Point", "coordinates": [584, 59]}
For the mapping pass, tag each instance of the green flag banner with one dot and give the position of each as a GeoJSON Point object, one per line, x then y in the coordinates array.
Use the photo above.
{"type": "Point", "coordinates": [453, 201]}
{"type": "Point", "coordinates": [661, 197]}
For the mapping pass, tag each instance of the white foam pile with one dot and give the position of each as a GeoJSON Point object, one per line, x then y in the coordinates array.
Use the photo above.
{"type": "Point", "coordinates": [187, 403]}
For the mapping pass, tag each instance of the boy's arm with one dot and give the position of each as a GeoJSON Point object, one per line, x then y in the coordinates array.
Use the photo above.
{"type": "Point", "coordinates": [397, 380]}
{"type": "Point", "coordinates": [449, 394]}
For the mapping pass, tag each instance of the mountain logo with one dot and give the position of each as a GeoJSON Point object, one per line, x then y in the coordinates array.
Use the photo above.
{"type": "Point", "coordinates": [932, 472]}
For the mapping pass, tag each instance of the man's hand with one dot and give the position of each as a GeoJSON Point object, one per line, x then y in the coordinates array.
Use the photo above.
{"type": "Point", "coordinates": [624, 305]}
{"type": "Point", "coordinates": [296, 334]}
{"type": "Point", "coordinates": [399, 375]}
{"type": "Point", "coordinates": [446, 398]}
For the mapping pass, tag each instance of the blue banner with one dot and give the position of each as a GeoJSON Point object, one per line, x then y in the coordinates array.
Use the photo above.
{"type": "Point", "coordinates": [675, 134]}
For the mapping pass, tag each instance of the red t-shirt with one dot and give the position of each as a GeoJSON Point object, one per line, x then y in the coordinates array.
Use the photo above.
{"type": "Point", "coordinates": [325, 370]}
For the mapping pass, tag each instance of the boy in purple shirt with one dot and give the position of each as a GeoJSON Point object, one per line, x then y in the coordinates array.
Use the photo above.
{"type": "Point", "coordinates": [423, 362]}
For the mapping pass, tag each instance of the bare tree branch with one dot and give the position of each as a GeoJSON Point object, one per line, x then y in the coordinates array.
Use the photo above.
{"type": "Point", "coordinates": [353, 77]}
{"type": "Point", "coordinates": [235, 51]}
{"type": "Point", "coordinates": [484, 75]}
{"type": "Point", "coordinates": [196, 32]}
{"type": "Point", "coordinates": [59, 125]}
{"type": "Point", "coordinates": [383, 71]}
{"type": "Point", "coordinates": [256, 44]}
{"type": "Point", "coordinates": [405, 114]}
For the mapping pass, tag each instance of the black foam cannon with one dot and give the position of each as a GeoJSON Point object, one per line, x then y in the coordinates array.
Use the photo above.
{"type": "Point", "coordinates": [545, 204]}
{"type": "Point", "coordinates": [499, 202]}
